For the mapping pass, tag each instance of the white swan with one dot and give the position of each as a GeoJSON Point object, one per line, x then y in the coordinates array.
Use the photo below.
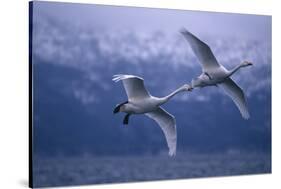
{"type": "Point", "coordinates": [214, 73]}
{"type": "Point", "coordinates": [141, 102]}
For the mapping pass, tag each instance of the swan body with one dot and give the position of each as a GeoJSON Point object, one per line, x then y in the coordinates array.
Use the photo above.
{"type": "Point", "coordinates": [141, 102]}
{"type": "Point", "coordinates": [215, 74]}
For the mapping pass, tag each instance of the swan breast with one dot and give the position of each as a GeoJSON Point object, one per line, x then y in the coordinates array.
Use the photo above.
{"type": "Point", "coordinates": [140, 106]}
{"type": "Point", "coordinates": [219, 73]}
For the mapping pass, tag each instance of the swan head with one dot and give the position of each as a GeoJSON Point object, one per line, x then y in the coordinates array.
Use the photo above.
{"type": "Point", "coordinates": [123, 108]}
{"type": "Point", "coordinates": [186, 87]}
{"type": "Point", "coordinates": [120, 108]}
{"type": "Point", "coordinates": [246, 63]}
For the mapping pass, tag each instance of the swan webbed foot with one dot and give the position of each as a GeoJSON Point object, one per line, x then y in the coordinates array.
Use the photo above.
{"type": "Point", "coordinates": [208, 75]}
{"type": "Point", "coordinates": [126, 119]}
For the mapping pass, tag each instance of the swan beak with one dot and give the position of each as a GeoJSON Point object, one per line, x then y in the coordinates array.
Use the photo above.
{"type": "Point", "coordinates": [249, 63]}
{"type": "Point", "coordinates": [116, 110]}
{"type": "Point", "coordinates": [190, 89]}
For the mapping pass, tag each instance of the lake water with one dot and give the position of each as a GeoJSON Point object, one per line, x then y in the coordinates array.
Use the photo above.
{"type": "Point", "coordinates": [65, 171]}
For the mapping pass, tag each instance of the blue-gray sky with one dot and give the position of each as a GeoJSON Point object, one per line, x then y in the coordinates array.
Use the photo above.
{"type": "Point", "coordinates": [80, 34]}
{"type": "Point", "coordinates": [147, 19]}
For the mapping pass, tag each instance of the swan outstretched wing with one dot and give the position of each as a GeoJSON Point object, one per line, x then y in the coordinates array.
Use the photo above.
{"type": "Point", "coordinates": [167, 123]}
{"type": "Point", "coordinates": [201, 50]}
{"type": "Point", "coordinates": [237, 95]}
{"type": "Point", "coordinates": [133, 85]}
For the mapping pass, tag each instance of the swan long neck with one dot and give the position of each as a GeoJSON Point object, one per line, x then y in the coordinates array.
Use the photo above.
{"type": "Point", "coordinates": [235, 69]}
{"type": "Point", "coordinates": [167, 98]}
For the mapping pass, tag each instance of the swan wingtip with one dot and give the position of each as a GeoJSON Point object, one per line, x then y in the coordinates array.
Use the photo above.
{"type": "Point", "coordinates": [246, 116]}
{"type": "Point", "coordinates": [172, 153]}
{"type": "Point", "coordinates": [118, 77]}
{"type": "Point", "coordinates": [183, 30]}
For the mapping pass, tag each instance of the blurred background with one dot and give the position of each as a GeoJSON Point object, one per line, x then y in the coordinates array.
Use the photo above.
{"type": "Point", "coordinates": [77, 139]}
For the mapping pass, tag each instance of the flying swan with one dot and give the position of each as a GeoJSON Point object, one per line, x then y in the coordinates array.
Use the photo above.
{"type": "Point", "coordinates": [216, 74]}
{"type": "Point", "coordinates": [141, 102]}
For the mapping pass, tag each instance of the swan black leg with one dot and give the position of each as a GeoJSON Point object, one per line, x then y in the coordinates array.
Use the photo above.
{"type": "Point", "coordinates": [126, 119]}
{"type": "Point", "coordinates": [117, 108]}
